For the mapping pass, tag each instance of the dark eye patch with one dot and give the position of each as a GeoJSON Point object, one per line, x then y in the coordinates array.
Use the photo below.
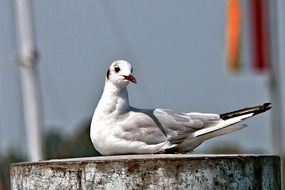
{"type": "Point", "coordinates": [117, 69]}
{"type": "Point", "coordinates": [108, 73]}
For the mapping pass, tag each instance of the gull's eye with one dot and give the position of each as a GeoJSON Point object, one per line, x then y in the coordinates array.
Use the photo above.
{"type": "Point", "coordinates": [117, 69]}
{"type": "Point", "coordinates": [131, 70]}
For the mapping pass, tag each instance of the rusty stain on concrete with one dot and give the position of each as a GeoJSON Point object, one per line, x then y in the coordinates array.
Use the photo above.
{"type": "Point", "coordinates": [158, 171]}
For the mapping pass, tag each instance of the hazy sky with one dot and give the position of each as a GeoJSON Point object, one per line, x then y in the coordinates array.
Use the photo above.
{"type": "Point", "coordinates": [177, 49]}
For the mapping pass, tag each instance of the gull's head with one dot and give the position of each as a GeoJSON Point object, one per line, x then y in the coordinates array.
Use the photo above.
{"type": "Point", "coordinates": [120, 73]}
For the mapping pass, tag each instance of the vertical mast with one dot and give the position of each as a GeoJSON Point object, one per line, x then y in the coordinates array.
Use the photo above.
{"type": "Point", "coordinates": [277, 51]}
{"type": "Point", "coordinates": [28, 73]}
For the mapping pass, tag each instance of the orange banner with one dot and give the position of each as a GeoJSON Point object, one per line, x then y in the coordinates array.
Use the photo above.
{"type": "Point", "coordinates": [233, 33]}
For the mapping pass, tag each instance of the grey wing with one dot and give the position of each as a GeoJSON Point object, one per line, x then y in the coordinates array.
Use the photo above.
{"type": "Point", "coordinates": [155, 126]}
{"type": "Point", "coordinates": [142, 125]}
{"type": "Point", "coordinates": [178, 126]}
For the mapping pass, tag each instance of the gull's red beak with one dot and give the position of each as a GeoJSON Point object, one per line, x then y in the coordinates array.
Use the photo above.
{"type": "Point", "coordinates": [131, 78]}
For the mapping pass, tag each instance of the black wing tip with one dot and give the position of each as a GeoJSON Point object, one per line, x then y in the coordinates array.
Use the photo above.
{"type": "Point", "coordinates": [255, 110]}
{"type": "Point", "coordinates": [267, 105]}
{"type": "Point", "coordinates": [263, 108]}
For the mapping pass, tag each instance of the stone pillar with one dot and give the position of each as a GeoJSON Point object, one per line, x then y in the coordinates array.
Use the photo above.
{"type": "Point", "coordinates": [158, 171]}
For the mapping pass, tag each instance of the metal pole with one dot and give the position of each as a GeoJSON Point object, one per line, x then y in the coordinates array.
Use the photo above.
{"type": "Point", "coordinates": [277, 59]}
{"type": "Point", "coordinates": [275, 86]}
{"type": "Point", "coordinates": [30, 93]}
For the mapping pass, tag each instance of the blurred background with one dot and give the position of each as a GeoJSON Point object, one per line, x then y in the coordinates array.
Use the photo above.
{"type": "Point", "coordinates": [202, 56]}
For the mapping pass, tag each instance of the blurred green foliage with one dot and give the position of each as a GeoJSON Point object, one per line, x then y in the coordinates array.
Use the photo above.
{"type": "Point", "coordinates": [76, 145]}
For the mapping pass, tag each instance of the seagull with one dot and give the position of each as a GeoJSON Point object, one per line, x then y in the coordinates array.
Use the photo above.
{"type": "Point", "coordinates": [118, 128]}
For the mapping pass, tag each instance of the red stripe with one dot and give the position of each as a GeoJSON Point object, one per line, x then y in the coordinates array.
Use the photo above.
{"type": "Point", "coordinates": [260, 45]}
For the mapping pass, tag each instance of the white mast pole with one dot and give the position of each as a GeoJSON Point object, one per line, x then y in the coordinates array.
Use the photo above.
{"type": "Point", "coordinates": [275, 86]}
{"type": "Point", "coordinates": [30, 93]}
{"type": "Point", "coordinates": [277, 53]}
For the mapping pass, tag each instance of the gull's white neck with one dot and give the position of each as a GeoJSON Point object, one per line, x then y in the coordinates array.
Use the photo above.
{"type": "Point", "coordinates": [114, 100]}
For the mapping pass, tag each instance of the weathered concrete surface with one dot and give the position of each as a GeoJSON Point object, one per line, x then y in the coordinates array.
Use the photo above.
{"type": "Point", "coordinates": [150, 172]}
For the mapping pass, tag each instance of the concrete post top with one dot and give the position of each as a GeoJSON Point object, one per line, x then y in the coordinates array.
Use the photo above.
{"type": "Point", "coordinates": [150, 171]}
{"type": "Point", "coordinates": [150, 157]}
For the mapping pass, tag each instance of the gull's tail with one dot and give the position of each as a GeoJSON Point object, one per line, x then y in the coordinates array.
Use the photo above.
{"type": "Point", "coordinates": [224, 126]}
{"type": "Point", "coordinates": [231, 118]}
